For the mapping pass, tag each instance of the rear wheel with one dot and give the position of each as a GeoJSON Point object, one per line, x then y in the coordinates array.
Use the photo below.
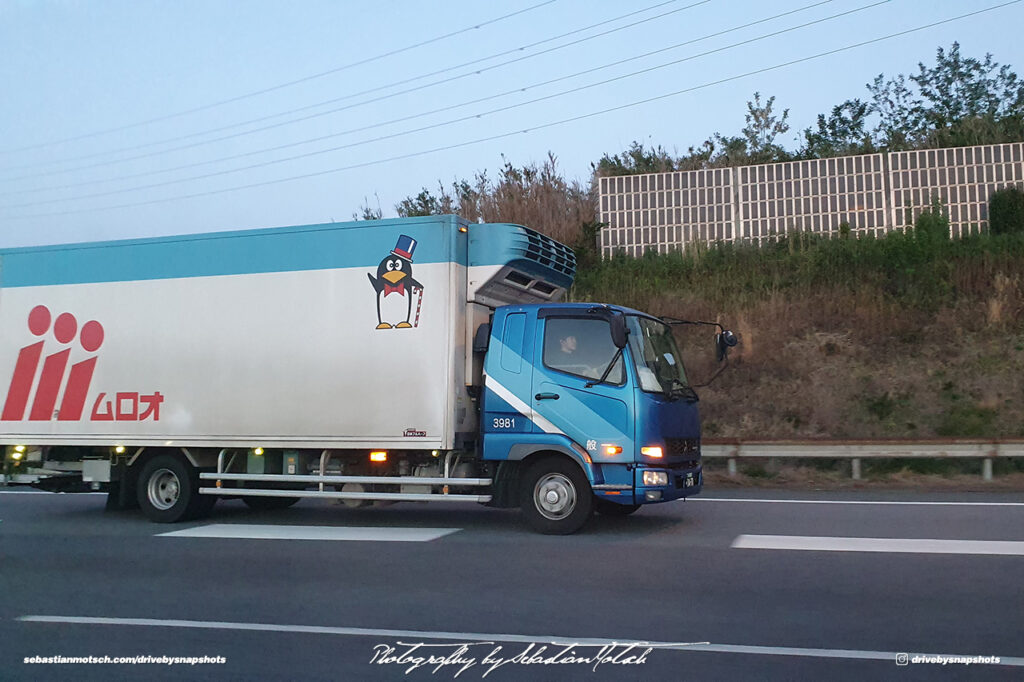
{"type": "Point", "coordinates": [608, 508]}
{"type": "Point", "coordinates": [168, 490]}
{"type": "Point", "coordinates": [555, 496]}
{"type": "Point", "coordinates": [261, 503]}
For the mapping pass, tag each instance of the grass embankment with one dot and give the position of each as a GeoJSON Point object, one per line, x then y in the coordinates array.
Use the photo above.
{"type": "Point", "coordinates": [912, 335]}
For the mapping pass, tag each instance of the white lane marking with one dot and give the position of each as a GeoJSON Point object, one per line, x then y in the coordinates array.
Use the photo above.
{"type": "Point", "coordinates": [899, 545]}
{"type": "Point", "coordinates": [416, 635]}
{"type": "Point", "coordinates": [878, 502]}
{"type": "Point", "coordinates": [245, 531]}
{"type": "Point", "coordinates": [42, 492]}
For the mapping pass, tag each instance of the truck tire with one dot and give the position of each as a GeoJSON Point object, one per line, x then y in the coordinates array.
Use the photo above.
{"type": "Point", "coordinates": [608, 508]}
{"type": "Point", "coordinates": [168, 490]}
{"type": "Point", "coordinates": [556, 497]}
{"type": "Point", "coordinates": [260, 503]}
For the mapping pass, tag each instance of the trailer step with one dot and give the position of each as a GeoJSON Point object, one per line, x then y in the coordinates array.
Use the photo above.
{"type": "Point", "coordinates": [394, 497]}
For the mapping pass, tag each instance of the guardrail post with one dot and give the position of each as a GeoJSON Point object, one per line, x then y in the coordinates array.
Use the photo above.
{"type": "Point", "coordinates": [855, 466]}
{"type": "Point", "coordinates": [986, 469]}
{"type": "Point", "coordinates": [732, 466]}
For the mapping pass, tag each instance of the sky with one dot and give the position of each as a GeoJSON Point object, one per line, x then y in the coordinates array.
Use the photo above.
{"type": "Point", "coordinates": [139, 118]}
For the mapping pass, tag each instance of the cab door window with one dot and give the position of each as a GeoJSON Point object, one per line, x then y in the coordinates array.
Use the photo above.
{"type": "Point", "coordinates": [582, 347]}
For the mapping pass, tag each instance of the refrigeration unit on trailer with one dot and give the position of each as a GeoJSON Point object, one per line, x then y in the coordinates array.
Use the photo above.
{"type": "Point", "coordinates": [417, 359]}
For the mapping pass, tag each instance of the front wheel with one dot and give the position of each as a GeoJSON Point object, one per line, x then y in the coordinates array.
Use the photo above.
{"type": "Point", "coordinates": [555, 496]}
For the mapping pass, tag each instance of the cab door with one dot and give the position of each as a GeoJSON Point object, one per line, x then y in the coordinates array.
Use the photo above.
{"type": "Point", "coordinates": [572, 353]}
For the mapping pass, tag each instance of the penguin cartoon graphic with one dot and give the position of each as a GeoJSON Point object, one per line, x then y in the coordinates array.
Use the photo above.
{"type": "Point", "coordinates": [394, 276]}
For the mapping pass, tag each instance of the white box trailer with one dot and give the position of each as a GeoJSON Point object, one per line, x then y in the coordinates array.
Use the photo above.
{"type": "Point", "coordinates": [265, 338]}
{"type": "Point", "coordinates": [331, 360]}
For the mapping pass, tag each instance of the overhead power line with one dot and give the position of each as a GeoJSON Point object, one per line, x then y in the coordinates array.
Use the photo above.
{"type": "Point", "coordinates": [490, 138]}
{"type": "Point", "coordinates": [281, 86]}
{"type": "Point", "coordinates": [334, 100]}
{"type": "Point", "coordinates": [516, 90]}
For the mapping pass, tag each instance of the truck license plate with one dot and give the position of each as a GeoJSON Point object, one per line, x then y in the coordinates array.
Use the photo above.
{"type": "Point", "coordinates": [688, 483]}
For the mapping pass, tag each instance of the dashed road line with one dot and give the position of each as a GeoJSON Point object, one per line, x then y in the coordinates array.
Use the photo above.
{"type": "Point", "coordinates": [895, 545]}
{"type": "Point", "coordinates": [242, 531]}
{"type": "Point", "coordinates": [45, 492]}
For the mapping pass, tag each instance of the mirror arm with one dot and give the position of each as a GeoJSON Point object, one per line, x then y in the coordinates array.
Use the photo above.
{"type": "Point", "coordinates": [675, 320]}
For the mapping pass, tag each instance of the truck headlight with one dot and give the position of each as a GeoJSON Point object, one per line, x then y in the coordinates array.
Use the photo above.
{"type": "Point", "coordinates": [655, 478]}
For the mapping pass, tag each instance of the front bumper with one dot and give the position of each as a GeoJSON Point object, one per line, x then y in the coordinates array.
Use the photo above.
{"type": "Point", "coordinates": [683, 481]}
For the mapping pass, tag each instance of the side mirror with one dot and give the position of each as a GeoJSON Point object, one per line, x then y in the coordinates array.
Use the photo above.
{"type": "Point", "coordinates": [619, 330]}
{"type": "Point", "coordinates": [723, 342]}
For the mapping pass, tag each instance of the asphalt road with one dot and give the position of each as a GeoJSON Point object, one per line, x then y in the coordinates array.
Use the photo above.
{"type": "Point", "coordinates": [78, 581]}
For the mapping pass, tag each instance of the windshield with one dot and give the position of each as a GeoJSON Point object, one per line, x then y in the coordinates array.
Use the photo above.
{"type": "Point", "coordinates": [658, 363]}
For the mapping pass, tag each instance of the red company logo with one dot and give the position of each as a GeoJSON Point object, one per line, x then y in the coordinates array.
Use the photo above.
{"type": "Point", "coordinates": [125, 407]}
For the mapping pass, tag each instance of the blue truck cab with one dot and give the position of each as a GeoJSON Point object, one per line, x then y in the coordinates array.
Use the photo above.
{"type": "Point", "coordinates": [602, 386]}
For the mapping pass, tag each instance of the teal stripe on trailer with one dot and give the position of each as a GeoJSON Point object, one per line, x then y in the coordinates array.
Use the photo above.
{"type": "Point", "coordinates": [283, 249]}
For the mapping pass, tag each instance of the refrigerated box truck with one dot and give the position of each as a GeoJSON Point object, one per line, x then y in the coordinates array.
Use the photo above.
{"type": "Point", "coordinates": [418, 359]}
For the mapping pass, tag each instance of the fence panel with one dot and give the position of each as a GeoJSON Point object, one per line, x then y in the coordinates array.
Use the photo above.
{"type": "Point", "coordinates": [870, 193]}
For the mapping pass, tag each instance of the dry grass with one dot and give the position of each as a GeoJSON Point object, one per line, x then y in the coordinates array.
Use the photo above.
{"type": "Point", "coordinates": [534, 195]}
{"type": "Point", "coordinates": [802, 375]}
{"type": "Point", "coordinates": [836, 361]}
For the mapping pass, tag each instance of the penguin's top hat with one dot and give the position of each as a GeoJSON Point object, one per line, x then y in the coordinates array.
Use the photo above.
{"type": "Point", "coordinates": [405, 247]}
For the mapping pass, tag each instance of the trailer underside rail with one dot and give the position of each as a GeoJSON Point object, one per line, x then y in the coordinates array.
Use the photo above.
{"type": "Point", "coordinates": [310, 479]}
{"type": "Point", "coordinates": [393, 497]}
{"type": "Point", "coordinates": [412, 481]}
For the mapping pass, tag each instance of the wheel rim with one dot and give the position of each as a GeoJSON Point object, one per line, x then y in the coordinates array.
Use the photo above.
{"type": "Point", "coordinates": [554, 496]}
{"type": "Point", "coordinates": [163, 489]}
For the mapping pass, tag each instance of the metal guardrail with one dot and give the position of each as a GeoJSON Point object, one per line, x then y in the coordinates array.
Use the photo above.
{"type": "Point", "coordinates": [856, 450]}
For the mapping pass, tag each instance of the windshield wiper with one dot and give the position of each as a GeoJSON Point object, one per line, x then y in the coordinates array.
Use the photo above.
{"type": "Point", "coordinates": [607, 370]}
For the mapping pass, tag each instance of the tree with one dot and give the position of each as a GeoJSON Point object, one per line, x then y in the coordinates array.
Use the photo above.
{"type": "Point", "coordinates": [729, 151]}
{"type": "Point", "coordinates": [959, 101]}
{"type": "Point", "coordinates": [843, 133]}
{"type": "Point", "coordinates": [425, 203]}
{"type": "Point", "coordinates": [755, 144]}
{"type": "Point", "coordinates": [366, 212]}
{"type": "Point", "coordinates": [959, 88]}
{"type": "Point", "coordinates": [899, 113]}
{"type": "Point", "coordinates": [697, 158]}
{"type": "Point", "coordinates": [762, 127]}
{"type": "Point", "coordinates": [1006, 211]}
{"type": "Point", "coordinates": [534, 195]}
{"type": "Point", "coordinates": [634, 161]}
{"type": "Point", "coordinates": [970, 101]}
